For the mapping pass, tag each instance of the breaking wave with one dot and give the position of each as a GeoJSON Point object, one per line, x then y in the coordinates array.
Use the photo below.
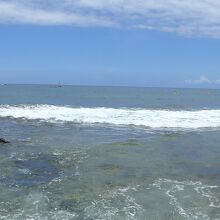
{"type": "Point", "coordinates": [155, 119]}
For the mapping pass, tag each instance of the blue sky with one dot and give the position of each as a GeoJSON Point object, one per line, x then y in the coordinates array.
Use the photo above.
{"type": "Point", "coordinates": [94, 42]}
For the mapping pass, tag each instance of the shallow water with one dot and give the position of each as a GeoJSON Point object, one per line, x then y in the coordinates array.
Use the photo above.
{"type": "Point", "coordinates": [89, 167]}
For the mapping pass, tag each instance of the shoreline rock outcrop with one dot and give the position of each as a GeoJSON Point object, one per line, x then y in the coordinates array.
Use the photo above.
{"type": "Point", "coordinates": [3, 141]}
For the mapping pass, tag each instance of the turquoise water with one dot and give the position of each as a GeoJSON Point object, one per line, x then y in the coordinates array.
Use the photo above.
{"type": "Point", "coordinates": [109, 153]}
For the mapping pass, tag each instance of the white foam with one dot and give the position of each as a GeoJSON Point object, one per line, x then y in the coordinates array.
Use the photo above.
{"type": "Point", "coordinates": [192, 200]}
{"type": "Point", "coordinates": [113, 204]}
{"type": "Point", "coordinates": [35, 206]}
{"type": "Point", "coordinates": [156, 119]}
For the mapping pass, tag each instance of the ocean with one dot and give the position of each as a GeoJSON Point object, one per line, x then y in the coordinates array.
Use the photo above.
{"type": "Point", "coordinates": [80, 152]}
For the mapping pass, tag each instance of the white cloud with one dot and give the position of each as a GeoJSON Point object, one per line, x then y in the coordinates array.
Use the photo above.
{"type": "Point", "coordinates": [26, 13]}
{"type": "Point", "coordinates": [218, 81]}
{"type": "Point", "coordinates": [203, 80]}
{"type": "Point", "coordinates": [188, 17]}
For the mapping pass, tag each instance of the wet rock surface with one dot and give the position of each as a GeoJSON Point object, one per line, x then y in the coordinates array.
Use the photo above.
{"type": "Point", "coordinates": [3, 141]}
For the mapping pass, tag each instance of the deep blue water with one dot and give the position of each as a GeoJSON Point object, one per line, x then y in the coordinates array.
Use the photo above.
{"type": "Point", "coordinates": [91, 96]}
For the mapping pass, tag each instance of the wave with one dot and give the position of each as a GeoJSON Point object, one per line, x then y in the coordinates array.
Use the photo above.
{"type": "Point", "coordinates": [155, 119]}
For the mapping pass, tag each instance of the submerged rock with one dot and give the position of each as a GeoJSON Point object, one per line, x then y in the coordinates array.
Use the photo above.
{"type": "Point", "coordinates": [3, 141]}
{"type": "Point", "coordinates": [34, 171]}
{"type": "Point", "coordinates": [70, 205]}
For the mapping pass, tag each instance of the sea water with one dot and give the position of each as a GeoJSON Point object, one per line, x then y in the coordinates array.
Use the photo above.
{"type": "Point", "coordinates": [109, 153]}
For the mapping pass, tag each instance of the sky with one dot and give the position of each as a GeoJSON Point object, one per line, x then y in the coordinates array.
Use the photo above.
{"type": "Point", "coordinates": [153, 43]}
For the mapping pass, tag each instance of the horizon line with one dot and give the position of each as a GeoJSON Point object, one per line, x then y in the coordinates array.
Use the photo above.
{"type": "Point", "coordinates": [123, 86]}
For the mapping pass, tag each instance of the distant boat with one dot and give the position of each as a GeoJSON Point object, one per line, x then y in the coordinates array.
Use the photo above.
{"type": "Point", "coordinates": [59, 84]}
{"type": "Point", "coordinates": [176, 92]}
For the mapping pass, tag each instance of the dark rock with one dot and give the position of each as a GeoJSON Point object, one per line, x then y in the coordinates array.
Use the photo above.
{"type": "Point", "coordinates": [3, 141]}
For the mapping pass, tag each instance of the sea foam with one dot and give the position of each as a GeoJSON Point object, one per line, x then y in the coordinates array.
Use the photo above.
{"type": "Point", "coordinates": [155, 119]}
{"type": "Point", "coordinates": [192, 200]}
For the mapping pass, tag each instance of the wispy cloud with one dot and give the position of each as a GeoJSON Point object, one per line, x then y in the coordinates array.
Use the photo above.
{"type": "Point", "coordinates": [35, 12]}
{"type": "Point", "coordinates": [203, 80]}
{"type": "Point", "coordinates": [188, 17]}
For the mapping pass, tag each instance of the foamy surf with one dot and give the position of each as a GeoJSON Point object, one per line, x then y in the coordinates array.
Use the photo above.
{"type": "Point", "coordinates": [192, 200]}
{"type": "Point", "coordinates": [155, 119]}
